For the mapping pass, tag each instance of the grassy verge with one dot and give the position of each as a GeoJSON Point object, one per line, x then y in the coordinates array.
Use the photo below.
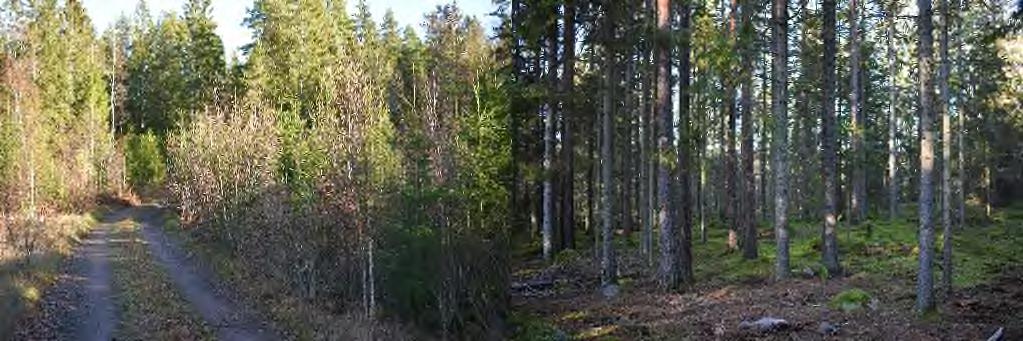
{"type": "Point", "coordinates": [25, 274]}
{"type": "Point", "coordinates": [150, 306]}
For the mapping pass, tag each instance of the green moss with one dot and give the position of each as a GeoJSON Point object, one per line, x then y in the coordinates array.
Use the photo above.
{"type": "Point", "coordinates": [532, 328]}
{"type": "Point", "coordinates": [850, 300]}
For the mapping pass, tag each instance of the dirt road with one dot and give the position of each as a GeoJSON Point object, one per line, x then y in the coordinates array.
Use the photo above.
{"type": "Point", "coordinates": [82, 305]}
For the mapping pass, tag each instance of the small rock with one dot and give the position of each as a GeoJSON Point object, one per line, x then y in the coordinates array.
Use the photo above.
{"type": "Point", "coordinates": [719, 329]}
{"type": "Point", "coordinates": [874, 304]}
{"type": "Point", "coordinates": [765, 324]}
{"type": "Point", "coordinates": [827, 329]}
{"type": "Point", "coordinates": [808, 272]}
{"type": "Point", "coordinates": [610, 291]}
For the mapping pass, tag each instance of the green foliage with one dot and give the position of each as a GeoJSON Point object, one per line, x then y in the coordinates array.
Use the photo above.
{"type": "Point", "coordinates": [533, 328]}
{"type": "Point", "coordinates": [145, 161]}
{"type": "Point", "coordinates": [850, 300]}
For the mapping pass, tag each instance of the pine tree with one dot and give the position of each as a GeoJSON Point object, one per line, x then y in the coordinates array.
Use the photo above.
{"type": "Point", "coordinates": [925, 276]}
{"type": "Point", "coordinates": [859, 191]}
{"type": "Point", "coordinates": [666, 172]}
{"type": "Point", "coordinates": [828, 143]}
{"type": "Point", "coordinates": [568, 119]}
{"type": "Point", "coordinates": [779, 106]}
{"type": "Point", "coordinates": [205, 66]}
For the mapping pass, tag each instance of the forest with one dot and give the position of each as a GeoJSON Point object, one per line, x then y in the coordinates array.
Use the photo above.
{"type": "Point", "coordinates": [554, 170]}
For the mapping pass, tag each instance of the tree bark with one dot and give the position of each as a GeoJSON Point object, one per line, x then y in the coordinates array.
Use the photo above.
{"type": "Point", "coordinates": [779, 105]}
{"type": "Point", "coordinates": [946, 152]}
{"type": "Point", "coordinates": [669, 268]}
{"type": "Point", "coordinates": [828, 148]}
{"type": "Point", "coordinates": [730, 200]}
{"type": "Point", "coordinates": [608, 266]}
{"type": "Point", "coordinates": [893, 120]}
{"type": "Point", "coordinates": [685, 146]}
{"type": "Point", "coordinates": [548, 153]}
{"type": "Point", "coordinates": [925, 279]}
{"type": "Point", "coordinates": [859, 192]}
{"type": "Point", "coordinates": [568, 122]}
{"type": "Point", "coordinates": [748, 210]}
{"type": "Point", "coordinates": [646, 145]}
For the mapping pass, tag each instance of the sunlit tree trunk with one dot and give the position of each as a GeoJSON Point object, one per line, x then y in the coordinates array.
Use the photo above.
{"type": "Point", "coordinates": [669, 268]}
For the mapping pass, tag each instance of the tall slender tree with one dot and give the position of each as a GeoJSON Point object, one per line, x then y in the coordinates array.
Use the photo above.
{"type": "Point", "coordinates": [893, 117]}
{"type": "Point", "coordinates": [925, 87]}
{"type": "Point", "coordinates": [548, 113]}
{"type": "Point", "coordinates": [779, 106]}
{"type": "Point", "coordinates": [669, 269]}
{"type": "Point", "coordinates": [608, 264]}
{"type": "Point", "coordinates": [828, 143]}
{"type": "Point", "coordinates": [946, 149]}
{"type": "Point", "coordinates": [731, 170]}
{"type": "Point", "coordinates": [686, 142]}
{"type": "Point", "coordinates": [747, 200]}
{"type": "Point", "coordinates": [859, 191]}
{"type": "Point", "coordinates": [568, 128]}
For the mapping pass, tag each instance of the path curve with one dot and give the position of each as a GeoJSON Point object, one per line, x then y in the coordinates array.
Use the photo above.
{"type": "Point", "coordinates": [230, 320]}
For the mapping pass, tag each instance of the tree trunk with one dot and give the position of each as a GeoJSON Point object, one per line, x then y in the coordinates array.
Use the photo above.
{"type": "Point", "coordinates": [548, 153]}
{"type": "Point", "coordinates": [568, 122]}
{"type": "Point", "coordinates": [685, 146]}
{"type": "Point", "coordinates": [828, 144]}
{"type": "Point", "coordinates": [748, 210]}
{"type": "Point", "coordinates": [925, 279]}
{"type": "Point", "coordinates": [946, 153]}
{"type": "Point", "coordinates": [669, 271]}
{"type": "Point", "coordinates": [859, 193]}
{"type": "Point", "coordinates": [608, 274]}
{"type": "Point", "coordinates": [730, 200]}
{"type": "Point", "coordinates": [893, 120]}
{"type": "Point", "coordinates": [779, 106]}
{"type": "Point", "coordinates": [646, 219]}
{"type": "Point", "coordinates": [961, 161]}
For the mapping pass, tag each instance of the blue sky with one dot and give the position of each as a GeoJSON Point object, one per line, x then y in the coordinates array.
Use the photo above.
{"type": "Point", "coordinates": [229, 13]}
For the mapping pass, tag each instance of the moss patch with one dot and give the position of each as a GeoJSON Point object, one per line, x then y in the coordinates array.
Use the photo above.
{"type": "Point", "coordinates": [850, 300]}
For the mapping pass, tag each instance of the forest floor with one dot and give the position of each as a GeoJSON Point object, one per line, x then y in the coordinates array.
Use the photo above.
{"type": "Point", "coordinates": [128, 280]}
{"type": "Point", "coordinates": [873, 300]}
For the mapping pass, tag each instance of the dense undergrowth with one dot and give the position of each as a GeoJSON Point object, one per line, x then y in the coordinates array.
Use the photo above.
{"type": "Point", "coordinates": [356, 204]}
